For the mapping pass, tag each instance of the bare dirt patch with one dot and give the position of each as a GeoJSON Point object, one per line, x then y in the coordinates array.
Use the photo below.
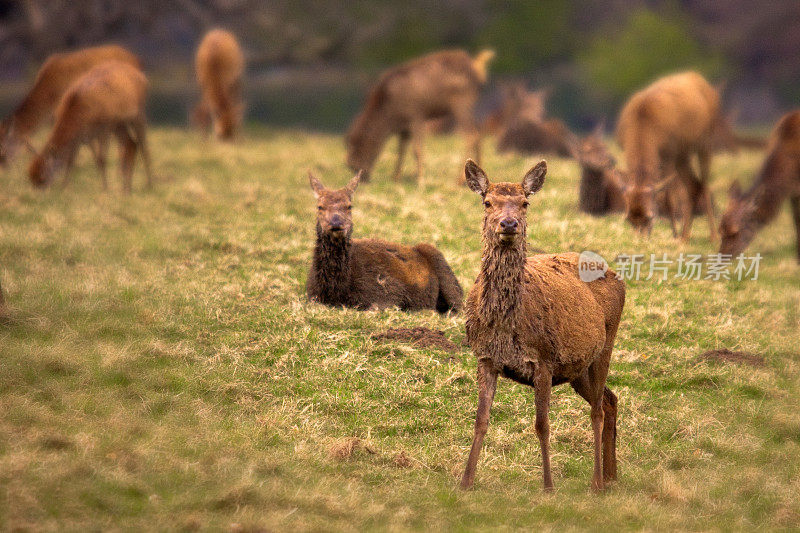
{"type": "Point", "coordinates": [419, 337]}
{"type": "Point", "coordinates": [726, 356]}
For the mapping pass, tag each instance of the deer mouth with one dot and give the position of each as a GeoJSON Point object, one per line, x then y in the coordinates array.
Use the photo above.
{"type": "Point", "coordinates": [507, 236]}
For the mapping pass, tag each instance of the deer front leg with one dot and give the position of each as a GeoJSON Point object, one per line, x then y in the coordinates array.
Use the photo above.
{"type": "Point", "coordinates": [796, 212]}
{"type": "Point", "coordinates": [99, 148]}
{"type": "Point", "coordinates": [542, 387]}
{"type": "Point", "coordinates": [705, 172]}
{"type": "Point", "coordinates": [487, 384]}
{"type": "Point", "coordinates": [140, 130]}
{"type": "Point", "coordinates": [416, 139]}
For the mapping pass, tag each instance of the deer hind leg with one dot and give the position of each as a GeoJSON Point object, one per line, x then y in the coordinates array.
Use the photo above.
{"type": "Point", "coordinates": [795, 201]}
{"type": "Point", "coordinates": [417, 137]}
{"type": "Point", "coordinates": [487, 385]}
{"type": "Point", "coordinates": [99, 147]}
{"type": "Point", "coordinates": [127, 156]}
{"type": "Point", "coordinates": [694, 189]}
{"type": "Point", "coordinates": [591, 387]}
{"type": "Point", "coordinates": [609, 435]}
{"type": "Point", "coordinates": [140, 133]}
{"type": "Point", "coordinates": [542, 387]}
{"type": "Point", "coordinates": [402, 146]}
{"type": "Point", "coordinates": [705, 174]}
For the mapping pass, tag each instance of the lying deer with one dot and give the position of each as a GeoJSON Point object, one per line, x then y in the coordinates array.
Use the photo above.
{"type": "Point", "coordinates": [370, 273]}
{"type": "Point", "coordinates": [107, 100]}
{"type": "Point", "coordinates": [533, 320]}
{"type": "Point", "coordinates": [405, 97]}
{"type": "Point", "coordinates": [778, 179]}
{"type": "Point", "coordinates": [660, 128]}
{"type": "Point", "coordinates": [219, 64]}
{"type": "Point", "coordinates": [52, 80]}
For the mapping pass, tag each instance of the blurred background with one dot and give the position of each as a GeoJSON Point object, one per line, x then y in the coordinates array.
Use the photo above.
{"type": "Point", "coordinates": [310, 62]}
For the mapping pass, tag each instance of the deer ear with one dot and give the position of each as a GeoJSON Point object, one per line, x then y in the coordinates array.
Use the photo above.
{"type": "Point", "coordinates": [534, 179]}
{"type": "Point", "coordinates": [352, 185]}
{"type": "Point", "coordinates": [476, 177]}
{"type": "Point", "coordinates": [316, 185]}
{"type": "Point", "coordinates": [735, 192]}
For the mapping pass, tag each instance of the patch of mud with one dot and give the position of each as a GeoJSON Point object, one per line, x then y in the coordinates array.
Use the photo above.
{"type": "Point", "coordinates": [419, 337]}
{"type": "Point", "coordinates": [726, 356]}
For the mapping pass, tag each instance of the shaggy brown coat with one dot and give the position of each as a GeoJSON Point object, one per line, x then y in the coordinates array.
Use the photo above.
{"type": "Point", "coordinates": [219, 64]}
{"type": "Point", "coordinates": [53, 79]}
{"type": "Point", "coordinates": [533, 320]}
{"type": "Point", "coordinates": [440, 84]}
{"type": "Point", "coordinates": [371, 273]}
{"type": "Point", "coordinates": [107, 100]}
{"type": "Point", "coordinates": [660, 128]}
{"type": "Point", "coordinates": [778, 179]}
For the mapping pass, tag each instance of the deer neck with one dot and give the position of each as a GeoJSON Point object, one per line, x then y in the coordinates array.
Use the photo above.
{"type": "Point", "coordinates": [332, 266]}
{"type": "Point", "coordinates": [501, 279]}
{"type": "Point", "coordinates": [769, 191]}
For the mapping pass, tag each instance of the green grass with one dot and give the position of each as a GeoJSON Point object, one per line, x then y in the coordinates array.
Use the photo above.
{"type": "Point", "coordinates": [163, 370]}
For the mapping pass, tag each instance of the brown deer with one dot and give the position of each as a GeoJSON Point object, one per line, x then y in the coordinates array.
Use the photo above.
{"type": "Point", "coordinates": [515, 100]}
{"type": "Point", "coordinates": [602, 185]}
{"type": "Point", "coordinates": [107, 100]}
{"type": "Point", "coordinates": [660, 128]}
{"type": "Point", "coordinates": [778, 179]}
{"type": "Point", "coordinates": [370, 273]}
{"type": "Point", "coordinates": [524, 127]}
{"type": "Point", "coordinates": [533, 320]}
{"type": "Point", "coordinates": [406, 96]}
{"type": "Point", "coordinates": [52, 80]}
{"type": "Point", "coordinates": [219, 64]}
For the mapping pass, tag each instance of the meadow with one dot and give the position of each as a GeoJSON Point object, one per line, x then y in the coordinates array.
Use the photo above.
{"type": "Point", "coordinates": [161, 368]}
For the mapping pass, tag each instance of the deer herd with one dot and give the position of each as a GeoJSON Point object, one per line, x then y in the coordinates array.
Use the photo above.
{"type": "Point", "coordinates": [528, 318]}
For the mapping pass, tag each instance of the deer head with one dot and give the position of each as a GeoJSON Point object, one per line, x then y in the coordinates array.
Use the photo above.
{"type": "Point", "coordinates": [592, 153]}
{"type": "Point", "coordinates": [334, 208]}
{"type": "Point", "coordinates": [640, 204]}
{"type": "Point", "coordinates": [505, 204]}
{"type": "Point", "coordinates": [44, 168]}
{"type": "Point", "coordinates": [736, 228]}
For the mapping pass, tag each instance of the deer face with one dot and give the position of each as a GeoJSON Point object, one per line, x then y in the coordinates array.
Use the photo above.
{"type": "Point", "coordinates": [43, 169]}
{"type": "Point", "coordinates": [505, 204]}
{"type": "Point", "coordinates": [640, 208]}
{"type": "Point", "coordinates": [593, 154]}
{"type": "Point", "coordinates": [8, 145]}
{"type": "Point", "coordinates": [362, 151]}
{"type": "Point", "coordinates": [334, 208]}
{"type": "Point", "coordinates": [734, 228]}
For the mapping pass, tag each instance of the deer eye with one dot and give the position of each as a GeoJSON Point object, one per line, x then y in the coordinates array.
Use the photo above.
{"type": "Point", "coordinates": [319, 208]}
{"type": "Point", "coordinates": [525, 205]}
{"type": "Point", "coordinates": [349, 207]}
{"type": "Point", "coordinates": [488, 204]}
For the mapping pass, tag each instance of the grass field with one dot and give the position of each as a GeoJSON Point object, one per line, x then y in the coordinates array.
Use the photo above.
{"type": "Point", "coordinates": [161, 368]}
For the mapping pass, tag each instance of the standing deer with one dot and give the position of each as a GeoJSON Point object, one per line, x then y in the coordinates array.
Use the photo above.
{"type": "Point", "coordinates": [370, 273]}
{"type": "Point", "coordinates": [533, 320]}
{"type": "Point", "coordinates": [219, 65]}
{"type": "Point", "coordinates": [107, 100]}
{"type": "Point", "coordinates": [660, 128]}
{"type": "Point", "coordinates": [406, 96]}
{"type": "Point", "coordinates": [778, 179]}
{"type": "Point", "coordinates": [52, 80]}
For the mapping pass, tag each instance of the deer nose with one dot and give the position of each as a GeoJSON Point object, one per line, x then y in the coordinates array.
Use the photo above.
{"type": "Point", "coordinates": [508, 225]}
{"type": "Point", "coordinates": [336, 222]}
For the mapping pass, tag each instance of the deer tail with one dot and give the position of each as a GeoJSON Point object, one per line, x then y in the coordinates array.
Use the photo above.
{"type": "Point", "coordinates": [480, 64]}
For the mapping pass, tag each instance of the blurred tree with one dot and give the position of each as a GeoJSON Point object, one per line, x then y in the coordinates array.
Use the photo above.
{"type": "Point", "coordinates": [647, 46]}
{"type": "Point", "coordinates": [529, 34]}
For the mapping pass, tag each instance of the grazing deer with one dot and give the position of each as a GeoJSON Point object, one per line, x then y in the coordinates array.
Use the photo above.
{"type": "Point", "coordinates": [219, 65]}
{"type": "Point", "coordinates": [52, 80]}
{"type": "Point", "coordinates": [778, 179]}
{"type": "Point", "coordinates": [406, 96]}
{"type": "Point", "coordinates": [533, 320]}
{"type": "Point", "coordinates": [660, 128]}
{"type": "Point", "coordinates": [370, 273]}
{"type": "Point", "coordinates": [107, 100]}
